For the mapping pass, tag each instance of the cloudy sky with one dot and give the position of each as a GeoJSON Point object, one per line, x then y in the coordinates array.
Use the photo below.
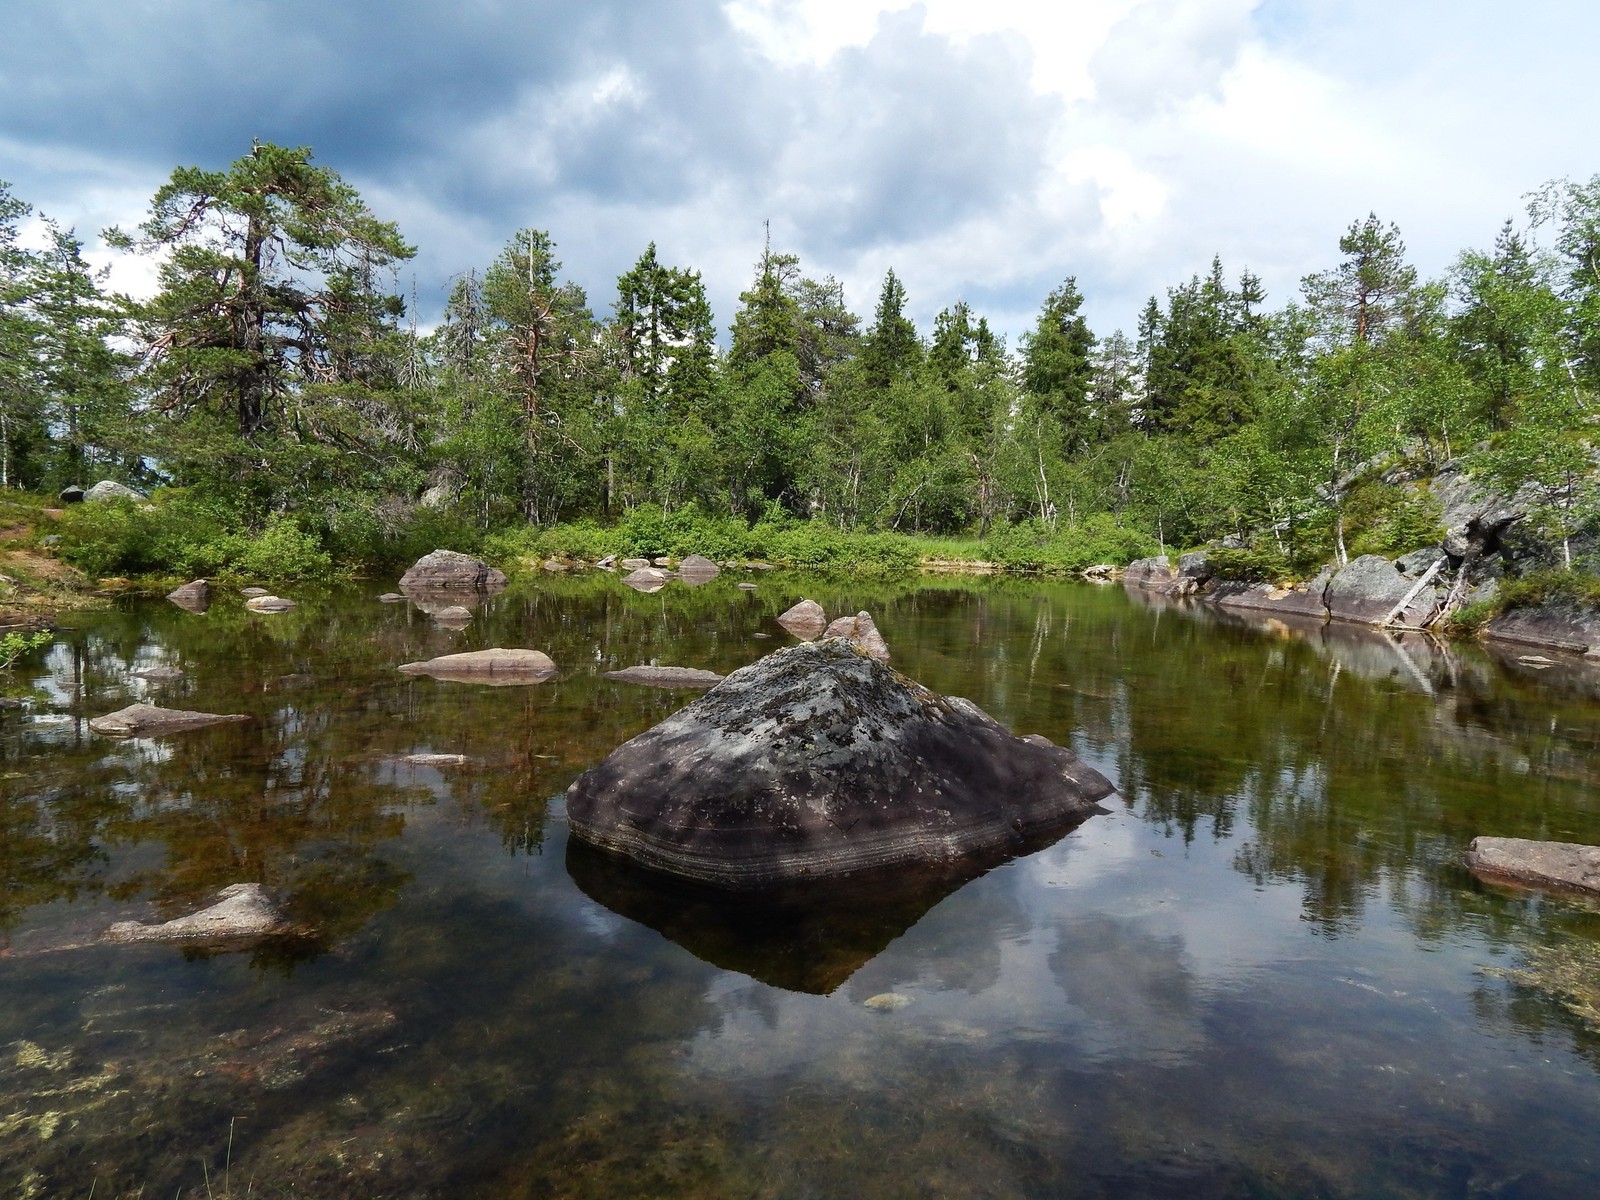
{"type": "Point", "coordinates": [985, 149]}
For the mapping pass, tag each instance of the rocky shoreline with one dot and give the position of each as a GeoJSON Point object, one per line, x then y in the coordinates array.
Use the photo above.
{"type": "Point", "coordinates": [1483, 545]}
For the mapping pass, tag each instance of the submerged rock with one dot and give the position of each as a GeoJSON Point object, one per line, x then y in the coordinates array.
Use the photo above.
{"type": "Point", "coordinates": [666, 677]}
{"type": "Point", "coordinates": [159, 674]}
{"type": "Point", "coordinates": [254, 591]}
{"type": "Point", "coordinates": [243, 912]}
{"type": "Point", "coordinates": [390, 598]}
{"type": "Point", "coordinates": [269, 604]}
{"type": "Point", "coordinates": [453, 614]}
{"type": "Point", "coordinates": [193, 597]}
{"type": "Point", "coordinates": [805, 620]}
{"type": "Point", "coordinates": [1540, 864]}
{"type": "Point", "coordinates": [498, 666]}
{"type": "Point", "coordinates": [819, 761]}
{"type": "Point", "coordinates": [860, 632]}
{"type": "Point", "coordinates": [147, 720]}
{"type": "Point", "coordinates": [433, 760]}
{"type": "Point", "coordinates": [451, 569]}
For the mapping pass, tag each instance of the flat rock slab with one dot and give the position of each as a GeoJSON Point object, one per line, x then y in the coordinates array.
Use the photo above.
{"type": "Point", "coordinates": [818, 761]}
{"type": "Point", "coordinates": [243, 912]}
{"type": "Point", "coordinates": [805, 620]}
{"type": "Point", "coordinates": [453, 614]}
{"type": "Point", "coordinates": [1575, 630]}
{"type": "Point", "coordinates": [390, 598]}
{"type": "Point", "coordinates": [269, 604]}
{"type": "Point", "coordinates": [254, 591]}
{"type": "Point", "coordinates": [147, 720]}
{"type": "Point", "coordinates": [499, 667]}
{"type": "Point", "coordinates": [860, 632]}
{"type": "Point", "coordinates": [159, 674]}
{"type": "Point", "coordinates": [433, 760]}
{"type": "Point", "coordinates": [454, 570]}
{"type": "Point", "coordinates": [1539, 864]}
{"type": "Point", "coordinates": [666, 677]}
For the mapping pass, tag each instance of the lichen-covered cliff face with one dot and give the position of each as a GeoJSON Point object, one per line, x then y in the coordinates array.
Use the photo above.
{"type": "Point", "coordinates": [818, 761]}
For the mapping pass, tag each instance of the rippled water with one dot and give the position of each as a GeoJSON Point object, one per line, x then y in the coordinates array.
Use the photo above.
{"type": "Point", "coordinates": [1263, 973]}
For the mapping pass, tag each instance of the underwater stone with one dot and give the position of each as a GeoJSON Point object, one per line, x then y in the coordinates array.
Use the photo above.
{"type": "Point", "coordinates": [819, 761]}
{"type": "Point", "coordinates": [666, 677]}
{"type": "Point", "coordinates": [244, 910]}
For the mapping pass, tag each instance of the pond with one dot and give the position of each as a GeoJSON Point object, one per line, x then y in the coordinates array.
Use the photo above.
{"type": "Point", "coordinates": [1263, 972]}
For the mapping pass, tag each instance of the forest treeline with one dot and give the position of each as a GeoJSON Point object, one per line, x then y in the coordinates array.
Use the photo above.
{"type": "Point", "coordinates": [277, 390]}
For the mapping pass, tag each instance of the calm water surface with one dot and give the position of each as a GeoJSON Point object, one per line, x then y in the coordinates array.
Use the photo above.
{"type": "Point", "coordinates": [1262, 974]}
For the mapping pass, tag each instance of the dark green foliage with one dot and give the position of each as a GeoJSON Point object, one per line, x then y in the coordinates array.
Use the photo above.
{"type": "Point", "coordinates": [1031, 546]}
{"type": "Point", "coordinates": [1251, 564]}
{"type": "Point", "coordinates": [188, 535]}
{"type": "Point", "coordinates": [297, 419]}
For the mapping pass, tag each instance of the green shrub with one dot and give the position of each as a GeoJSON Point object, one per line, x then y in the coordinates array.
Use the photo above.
{"type": "Point", "coordinates": [1392, 521]}
{"type": "Point", "coordinates": [1029, 546]}
{"type": "Point", "coordinates": [1251, 564]}
{"type": "Point", "coordinates": [1549, 587]}
{"type": "Point", "coordinates": [16, 643]}
{"type": "Point", "coordinates": [284, 551]}
{"type": "Point", "coordinates": [178, 534]}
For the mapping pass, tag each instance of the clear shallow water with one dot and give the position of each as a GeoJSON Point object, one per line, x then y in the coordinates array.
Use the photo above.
{"type": "Point", "coordinates": [1261, 974]}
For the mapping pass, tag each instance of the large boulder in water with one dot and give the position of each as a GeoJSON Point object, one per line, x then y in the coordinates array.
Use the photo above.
{"type": "Point", "coordinates": [820, 761]}
{"type": "Point", "coordinates": [451, 571]}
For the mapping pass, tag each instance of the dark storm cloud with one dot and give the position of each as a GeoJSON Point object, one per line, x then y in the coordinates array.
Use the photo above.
{"type": "Point", "coordinates": [191, 81]}
{"type": "Point", "coordinates": [608, 123]}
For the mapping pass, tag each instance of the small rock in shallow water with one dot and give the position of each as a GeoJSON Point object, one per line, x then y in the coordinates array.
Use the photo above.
{"type": "Point", "coordinates": [886, 1002]}
{"type": "Point", "coordinates": [242, 911]}
{"type": "Point", "coordinates": [147, 720]}
{"type": "Point", "coordinates": [805, 620]}
{"type": "Point", "coordinates": [269, 604]}
{"type": "Point", "coordinates": [434, 760]}
{"type": "Point", "coordinates": [494, 666]}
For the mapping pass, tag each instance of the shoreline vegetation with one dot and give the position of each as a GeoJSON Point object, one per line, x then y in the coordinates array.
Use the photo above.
{"type": "Point", "coordinates": [275, 412]}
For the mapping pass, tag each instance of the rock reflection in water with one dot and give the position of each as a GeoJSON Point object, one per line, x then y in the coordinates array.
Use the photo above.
{"type": "Point", "coordinates": [803, 938]}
